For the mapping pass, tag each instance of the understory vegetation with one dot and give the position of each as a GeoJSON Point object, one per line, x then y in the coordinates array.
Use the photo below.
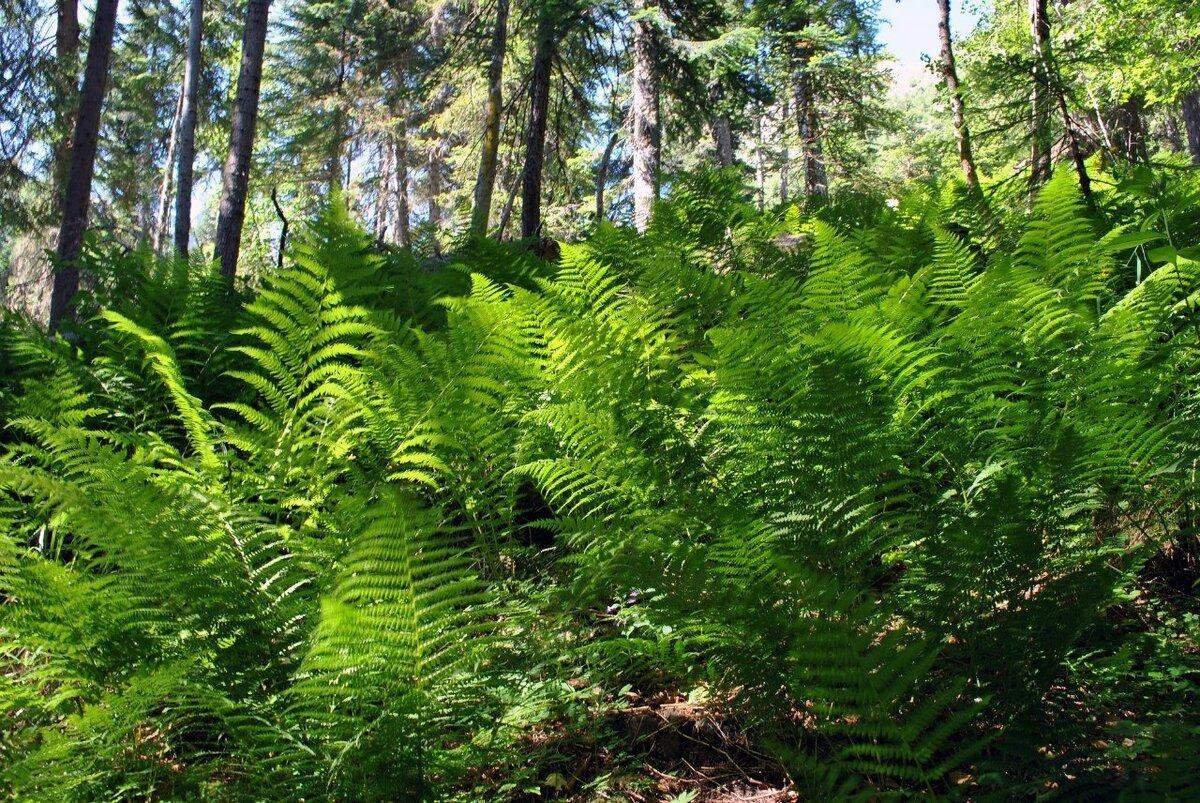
{"type": "Point", "coordinates": [850, 499]}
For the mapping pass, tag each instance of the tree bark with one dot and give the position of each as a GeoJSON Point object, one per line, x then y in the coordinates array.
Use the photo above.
{"type": "Point", "coordinates": [235, 178]}
{"type": "Point", "coordinates": [1130, 130]}
{"type": "Point", "coordinates": [1039, 160]}
{"type": "Point", "coordinates": [760, 162]}
{"type": "Point", "coordinates": [722, 133]}
{"type": "Point", "coordinates": [383, 187]}
{"type": "Point", "coordinates": [643, 113]}
{"type": "Point", "coordinates": [785, 155]}
{"type": "Point", "coordinates": [966, 156]}
{"type": "Point", "coordinates": [1190, 112]}
{"type": "Point", "coordinates": [163, 210]}
{"type": "Point", "coordinates": [485, 181]}
{"type": "Point", "coordinates": [535, 140]}
{"type": "Point", "coordinates": [602, 178]}
{"type": "Point", "coordinates": [66, 57]}
{"type": "Point", "coordinates": [400, 159]}
{"type": "Point", "coordinates": [815, 181]}
{"type": "Point", "coordinates": [187, 130]}
{"type": "Point", "coordinates": [78, 192]}
{"type": "Point", "coordinates": [434, 169]}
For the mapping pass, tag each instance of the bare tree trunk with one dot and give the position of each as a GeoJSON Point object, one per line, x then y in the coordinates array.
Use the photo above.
{"type": "Point", "coordinates": [434, 168]}
{"type": "Point", "coordinates": [400, 159]}
{"type": "Point", "coordinates": [187, 130]}
{"type": "Point", "coordinates": [535, 140]}
{"type": "Point", "coordinates": [966, 157]}
{"type": "Point", "coordinates": [163, 210]}
{"type": "Point", "coordinates": [485, 181]}
{"type": "Point", "coordinates": [235, 178]}
{"type": "Point", "coordinates": [78, 193]}
{"type": "Point", "coordinates": [1130, 130]}
{"type": "Point", "coordinates": [815, 182]}
{"type": "Point", "coordinates": [760, 165]}
{"type": "Point", "coordinates": [785, 156]}
{"type": "Point", "coordinates": [1039, 160]}
{"type": "Point", "coordinates": [602, 178]}
{"type": "Point", "coordinates": [643, 113]}
{"type": "Point", "coordinates": [66, 56]}
{"type": "Point", "coordinates": [382, 190]}
{"type": "Point", "coordinates": [1190, 112]}
{"type": "Point", "coordinates": [338, 134]}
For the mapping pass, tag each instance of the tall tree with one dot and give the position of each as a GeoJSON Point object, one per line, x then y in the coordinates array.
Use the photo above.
{"type": "Point", "coordinates": [545, 49]}
{"type": "Point", "coordinates": [966, 156]}
{"type": "Point", "coordinates": [66, 56]}
{"type": "Point", "coordinates": [168, 176]}
{"type": "Point", "coordinates": [78, 191]}
{"type": "Point", "coordinates": [187, 129]}
{"type": "Point", "coordinates": [485, 181]}
{"type": "Point", "coordinates": [1039, 121]}
{"type": "Point", "coordinates": [235, 177]}
{"type": "Point", "coordinates": [643, 113]}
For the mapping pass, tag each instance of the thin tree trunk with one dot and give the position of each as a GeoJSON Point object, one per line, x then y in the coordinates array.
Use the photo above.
{"type": "Point", "coordinates": [338, 135]}
{"type": "Point", "coordinates": [815, 182]}
{"type": "Point", "coordinates": [434, 168]}
{"type": "Point", "coordinates": [187, 130]}
{"type": "Point", "coordinates": [785, 155]}
{"type": "Point", "coordinates": [400, 160]}
{"type": "Point", "coordinates": [643, 112]}
{"type": "Point", "coordinates": [235, 178]}
{"type": "Point", "coordinates": [382, 190]}
{"type": "Point", "coordinates": [66, 58]}
{"type": "Point", "coordinates": [1190, 112]}
{"type": "Point", "coordinates": [966, 157]}
{"type": "Point", "coordinates": [1039, 160]}
{"type": "Point", "coordinates": [509, 202]}
{"type": "Point", "coordinates": [283, 228]}
{"type": "Point", "coordinates": [760, 161]}
{"type": "Point", "coordinates": [485, 181]}
{"type": "Point", "coordinates": [535, 141]}
{"type": "Point", "coordinates": [1085, 181]}
{"type": "Point", "coordinates": [602, 178]}
{"type": "Point", "coordinates": [163, 212]}
{"type": "Point", "coordinates": [78, 193]}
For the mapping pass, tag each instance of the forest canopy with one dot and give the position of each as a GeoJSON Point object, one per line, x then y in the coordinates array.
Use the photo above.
{"type": "Point", "coordinates": [647, 400]}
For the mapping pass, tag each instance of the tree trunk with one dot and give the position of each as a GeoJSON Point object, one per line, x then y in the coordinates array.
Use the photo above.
{"type": "Point", "coordinates": [643, 113]}
{"type": "Point", "coordinates": [1130, 130]}
{"type": "Point", "coordinates": [602, 179]}
{"type": "Point", "coordinates": [400, 159]}
{"type": "Point", "coordinates": [535, 140]}
{"type": "Point", "coordinates": [966, 157]}
{"type": "Point", "coordinates": [383, 187]}
{"type": "Point", "coordinates": [163, 209]}
{"type": "Point", "coordinates": [785, 155]}
{"type": "Point", "coordinates": [1190, 112]}
{"type": "Point", "coordinates": [78, 193]}
{"type": "Point", "coordinates": [815, 182]}
{"type": "Point", "coordinates": [485, 181]}
{"type": "Point", "coordinates": [338, 135]}
{"type": "Point", "coordinates": [1039, 160]}
{"type": "Point", "coordinates": [66, 57]}
{"type": "Point", "coordinates": [187, 130]}
{"type": "Point", "coordinates": [434, 168]}
{"type": "Point", "coordinates": [722, 133]}
{"type": "Point", "coordinates": [235, 178]}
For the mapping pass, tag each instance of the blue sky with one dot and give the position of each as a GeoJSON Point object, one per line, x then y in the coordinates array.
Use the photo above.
{"type": "Point", "coordinates": [908, 28]}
